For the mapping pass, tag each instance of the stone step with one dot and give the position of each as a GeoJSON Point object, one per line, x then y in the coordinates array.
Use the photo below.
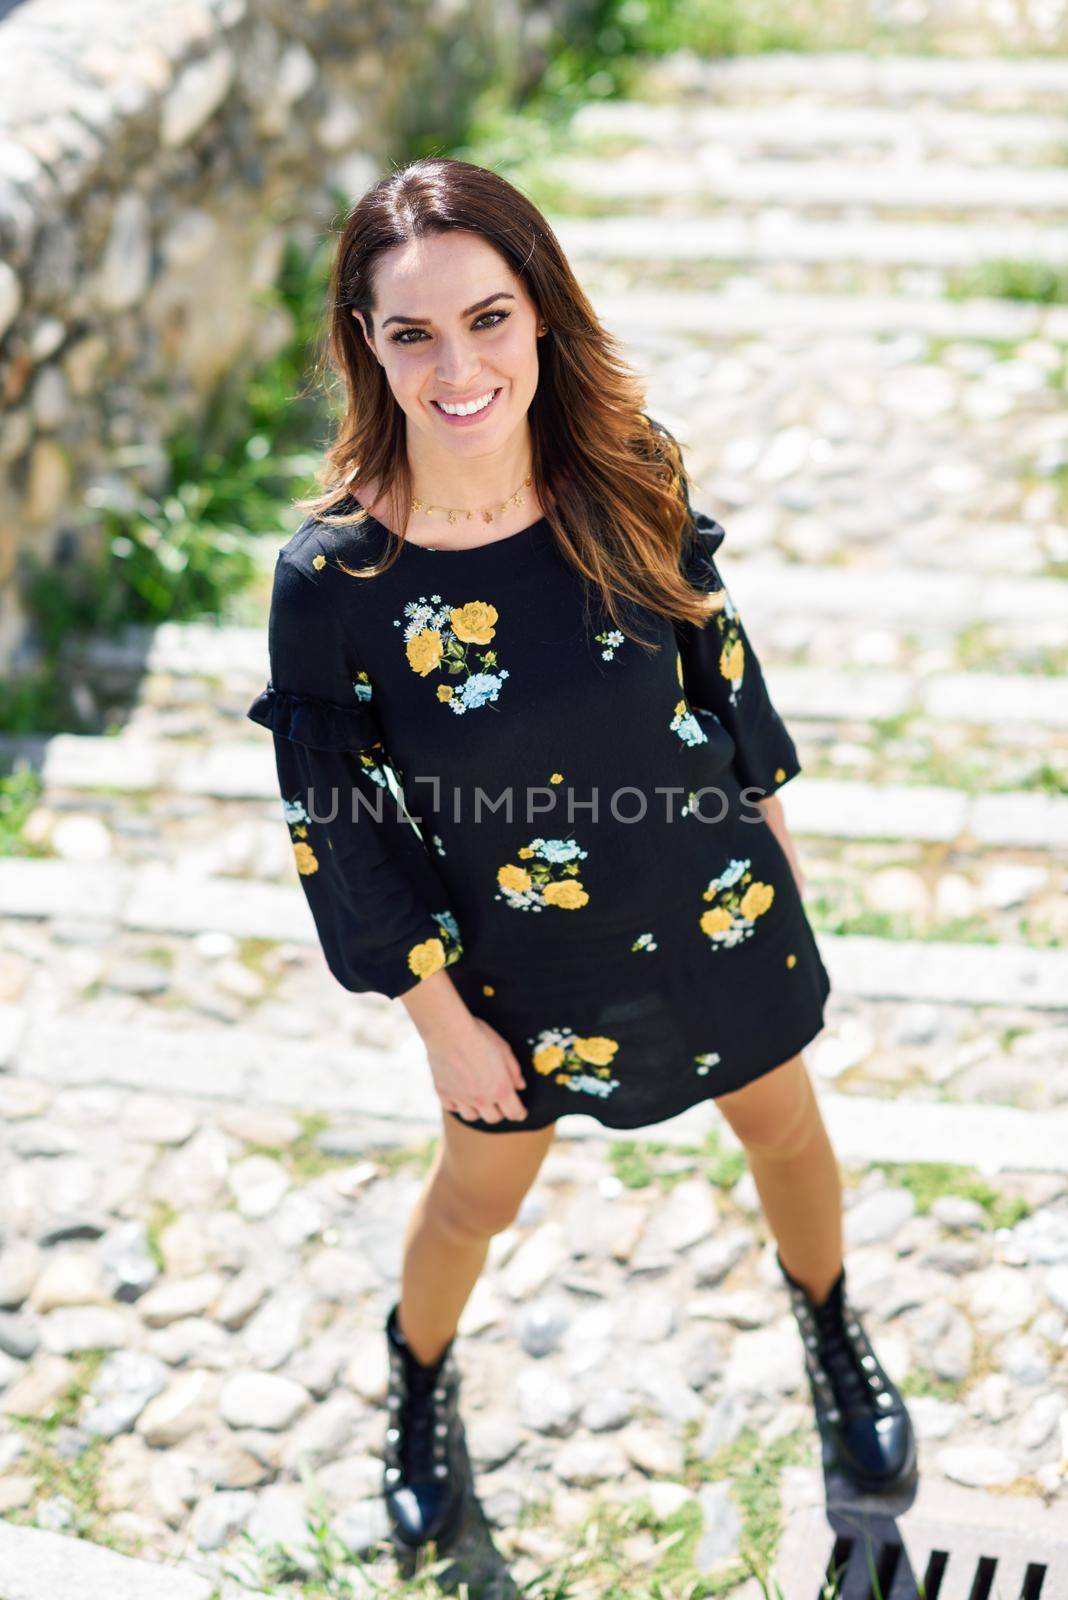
{"type": "Point", "coordinates": [706, 174]}
{"type": "Point", "coordinates": [757, 310]}
{"type": "Point", "coordinates": [979, 698]}
{"type": "Point", "coordinates": [36, 1564]}
{"type": "Point", "coordinates": [244, 1065]}
{"type": "Point", "coordinates": [244, 770]}
{"type": "Point", "coordinates": [997, 80]}
{"type": "Point", "coordinates": [777, 236]}
{"type": "Point", "coordinates": [160, 899]}
{"type": "Point", "coordinates": [887, 595]}
{"type": "Point", "coordinates": [969, 136]}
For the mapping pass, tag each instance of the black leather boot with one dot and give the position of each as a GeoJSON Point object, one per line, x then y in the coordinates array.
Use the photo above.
{"type": "Point", "coordinates": [857, 1404]}
{"type": "Point", "coordinates": [423, 1478]}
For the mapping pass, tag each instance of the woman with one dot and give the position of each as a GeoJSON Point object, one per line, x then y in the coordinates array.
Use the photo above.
{"type": "Point", "coordinates": [502, 610]}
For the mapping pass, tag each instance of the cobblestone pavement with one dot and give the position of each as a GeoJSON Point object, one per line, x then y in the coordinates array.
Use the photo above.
{"type": "Point", "coordinates": [210, 1148]}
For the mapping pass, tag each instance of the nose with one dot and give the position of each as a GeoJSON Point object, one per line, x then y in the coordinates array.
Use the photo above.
{"type": "Point", "coordinates": [458, 362]}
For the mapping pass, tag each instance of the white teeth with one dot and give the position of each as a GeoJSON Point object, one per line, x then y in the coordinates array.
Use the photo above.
{"type": "Point", "coordinates": [470, 407]}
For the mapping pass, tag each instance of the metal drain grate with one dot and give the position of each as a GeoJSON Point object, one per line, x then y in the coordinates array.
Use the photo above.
{"type": "Point", "coordinates": [950, 1543]}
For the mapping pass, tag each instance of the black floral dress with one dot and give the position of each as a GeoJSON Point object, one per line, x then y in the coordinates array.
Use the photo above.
{"type": "Point", "coordinates": [479, 772]}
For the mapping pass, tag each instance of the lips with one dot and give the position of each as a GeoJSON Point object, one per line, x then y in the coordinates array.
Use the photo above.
{"type": "Point", "coordinates": [469, 417]}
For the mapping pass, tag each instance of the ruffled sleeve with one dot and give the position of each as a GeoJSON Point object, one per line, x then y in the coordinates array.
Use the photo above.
{"type": "Point", "coordinates": [381, 912]}
{"type": "Point", "coordinates": [721, 671]}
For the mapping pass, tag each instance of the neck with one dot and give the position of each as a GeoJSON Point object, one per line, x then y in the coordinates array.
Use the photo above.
{"type": "Point", "coordinates": [440, 479]}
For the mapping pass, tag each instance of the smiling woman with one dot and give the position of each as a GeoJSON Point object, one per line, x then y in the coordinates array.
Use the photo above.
{"type": "Point", "coordinates": [504, 609]}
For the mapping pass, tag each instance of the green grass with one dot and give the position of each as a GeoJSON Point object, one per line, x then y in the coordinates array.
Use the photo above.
{"type": "Point", "coordinates": [634, 1163]}
{"type": "Point", "coordinates": [20, 793]}
{"type": "Point", "coordinates": [926, 1181]}
{"type": "Point", "coordinates": [1009, 280]}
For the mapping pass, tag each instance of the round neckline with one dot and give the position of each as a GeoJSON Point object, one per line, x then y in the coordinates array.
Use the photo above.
{"type": "Point", "coordinates": [533, 529]}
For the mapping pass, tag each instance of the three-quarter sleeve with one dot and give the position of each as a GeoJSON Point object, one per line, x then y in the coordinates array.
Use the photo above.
{"type": "Point", "coordinates": [721, 673]}
{"type": "Point", "coordinates": [379, 906]}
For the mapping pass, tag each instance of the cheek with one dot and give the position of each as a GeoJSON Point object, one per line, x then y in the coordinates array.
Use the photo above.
{"type": "Point", "coordinates": [518, 353]}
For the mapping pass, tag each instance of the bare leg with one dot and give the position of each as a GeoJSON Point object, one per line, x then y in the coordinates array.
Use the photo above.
{"type": "Point", "coordinates": [473, 1190]}
{"type": "Point", "coordinates": [778, 1120]}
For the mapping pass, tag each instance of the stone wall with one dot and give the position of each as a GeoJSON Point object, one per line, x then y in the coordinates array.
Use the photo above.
{"type": "Point", "coordinates": [154, 157]}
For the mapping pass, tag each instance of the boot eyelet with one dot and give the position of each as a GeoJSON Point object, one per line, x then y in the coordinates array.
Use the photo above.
{"type": "Point", "coordinates": [875, 1380]}
{"type": "Point", "coordinates": [441, 1470]}
{"type": "Point", "coordinates": [884, 1399]}
{"type": "Point", "coordinates": [833, 1415]}
{"type": "Point", "coordinates": [392, 1474]}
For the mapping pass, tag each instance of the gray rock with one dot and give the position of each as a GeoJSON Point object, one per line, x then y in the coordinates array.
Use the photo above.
{"type": "Point", "coordinates": [716, 1257]}
{"type": "Point", "coordinates": [723, 1423]}
{"type": "Point", "coordinates": [609, 1408]}
{"type": "Point", "coordinates": [262, 1400]}
{"type": "Point", "coordinates": [721, 1527]}
{"type": "Point", "coordinates": [71, 1329]}
{"type": "Point", "coordinates": [877, 1216]}
{"type": "Point", "coordinates": [123, 1386]}
{"type": "Point", "coordinates": [127, 1266]}
{"type": "Point", "coordinates": [1040, 1420]}
{"type": "Point", "coordinates": [978, 1465]}
{"type": "Point", "coordinates": [955, 1212]}
{"type": "Point", "coordinates": [586, 1462]}
{"type": "Point", "coordinates": [18, 1335]}
{"type": "Point", "coordinates": [219, 1516]}
{"type": "Point", "coordinates": [1024, 1360]}
{"type": "Point", "coordinates": [541, 1325]}
{"type": "Point", "coordinates": [172, 1299]}
{"type": "Point", "coordinates": [362, 1526]}
{"type": "Point", "coordinates": [280, 1518]}
{"type": "Point", "coordinates": [546, 1403]}
{"type": "Point", "coordinates": [20, 1264]}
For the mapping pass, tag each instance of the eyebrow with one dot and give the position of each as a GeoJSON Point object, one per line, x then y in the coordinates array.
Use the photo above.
{"type": "Point", "coordinates": [502, 294]}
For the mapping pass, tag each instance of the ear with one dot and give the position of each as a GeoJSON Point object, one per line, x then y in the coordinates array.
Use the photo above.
{"type": "Point", "coordinates": [363, 329]}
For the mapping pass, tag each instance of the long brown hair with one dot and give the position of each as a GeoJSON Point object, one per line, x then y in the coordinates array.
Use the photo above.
{"type": "Point", "coordinates": [611, 480]}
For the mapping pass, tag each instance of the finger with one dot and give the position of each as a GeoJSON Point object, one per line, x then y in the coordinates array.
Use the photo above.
{"type": "Point", "coordinates": [516, 1071]}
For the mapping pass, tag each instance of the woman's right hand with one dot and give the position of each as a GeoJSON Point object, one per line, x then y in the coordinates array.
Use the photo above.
{"type": "Point", "coordinates": [474, 1068]}
{"type": "Point", "coordinates": [476, 1073]}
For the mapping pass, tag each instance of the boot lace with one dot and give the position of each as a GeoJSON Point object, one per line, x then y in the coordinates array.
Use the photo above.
{"type": "Point", "coordinates": [841, 1358]}
{"type": "Point", "coordinates": [418, 1417]}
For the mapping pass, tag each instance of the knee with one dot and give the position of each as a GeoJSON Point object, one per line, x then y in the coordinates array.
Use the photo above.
{"type": "Point", "coordinates": [468, 1218]}
{"type": "Point", "coordinates": [776, 1116]}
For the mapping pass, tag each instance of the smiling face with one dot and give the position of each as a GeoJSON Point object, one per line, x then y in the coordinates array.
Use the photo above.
{"type": "Point", "coordinates": [454, 324]}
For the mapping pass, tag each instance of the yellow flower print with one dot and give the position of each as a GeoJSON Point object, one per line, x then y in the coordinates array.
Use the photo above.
{"type": "Point", "coordinates": [318, 562]}
{"type": "Point", "coordinates": [427, 957]}
{"type": "Point", "coordinates": [439, 637]}
{"type": "Point", "coordinates": [735, 908]}
{"type": "Point", "coordinates": [548, 1058]}
{"type": "Point", "coordinates": [536, 888]}
{"type": "Point", "coordinates": [678, 664]}
{"type": "Point", "coordinates": [791, 960]}
{"type": "Point", "coordinates": [780, 774]}
{"type": "Point", "coordinates": [566, 1056]}
{"type": "Point", "coordinates": [757, 899]}
{"type": "Point", "coordinates": [424, 652]}
{"type": "Point", "coordinates": [307, 861]}
{"type": "Point", "coordinates": [596, 1050]}
{"type": "Point", "coordinates": [487, 988]}
{"type": "Point", "coordinates": [732, 661]}
{"type": "Point", "coordinates": [718, 920]}
{"type": "Point", "coordinates": [474, 622]}
{"type": "Point", "coordinates": [569, 895]}
{"type": "Point", "coordinates": [557, 777]}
